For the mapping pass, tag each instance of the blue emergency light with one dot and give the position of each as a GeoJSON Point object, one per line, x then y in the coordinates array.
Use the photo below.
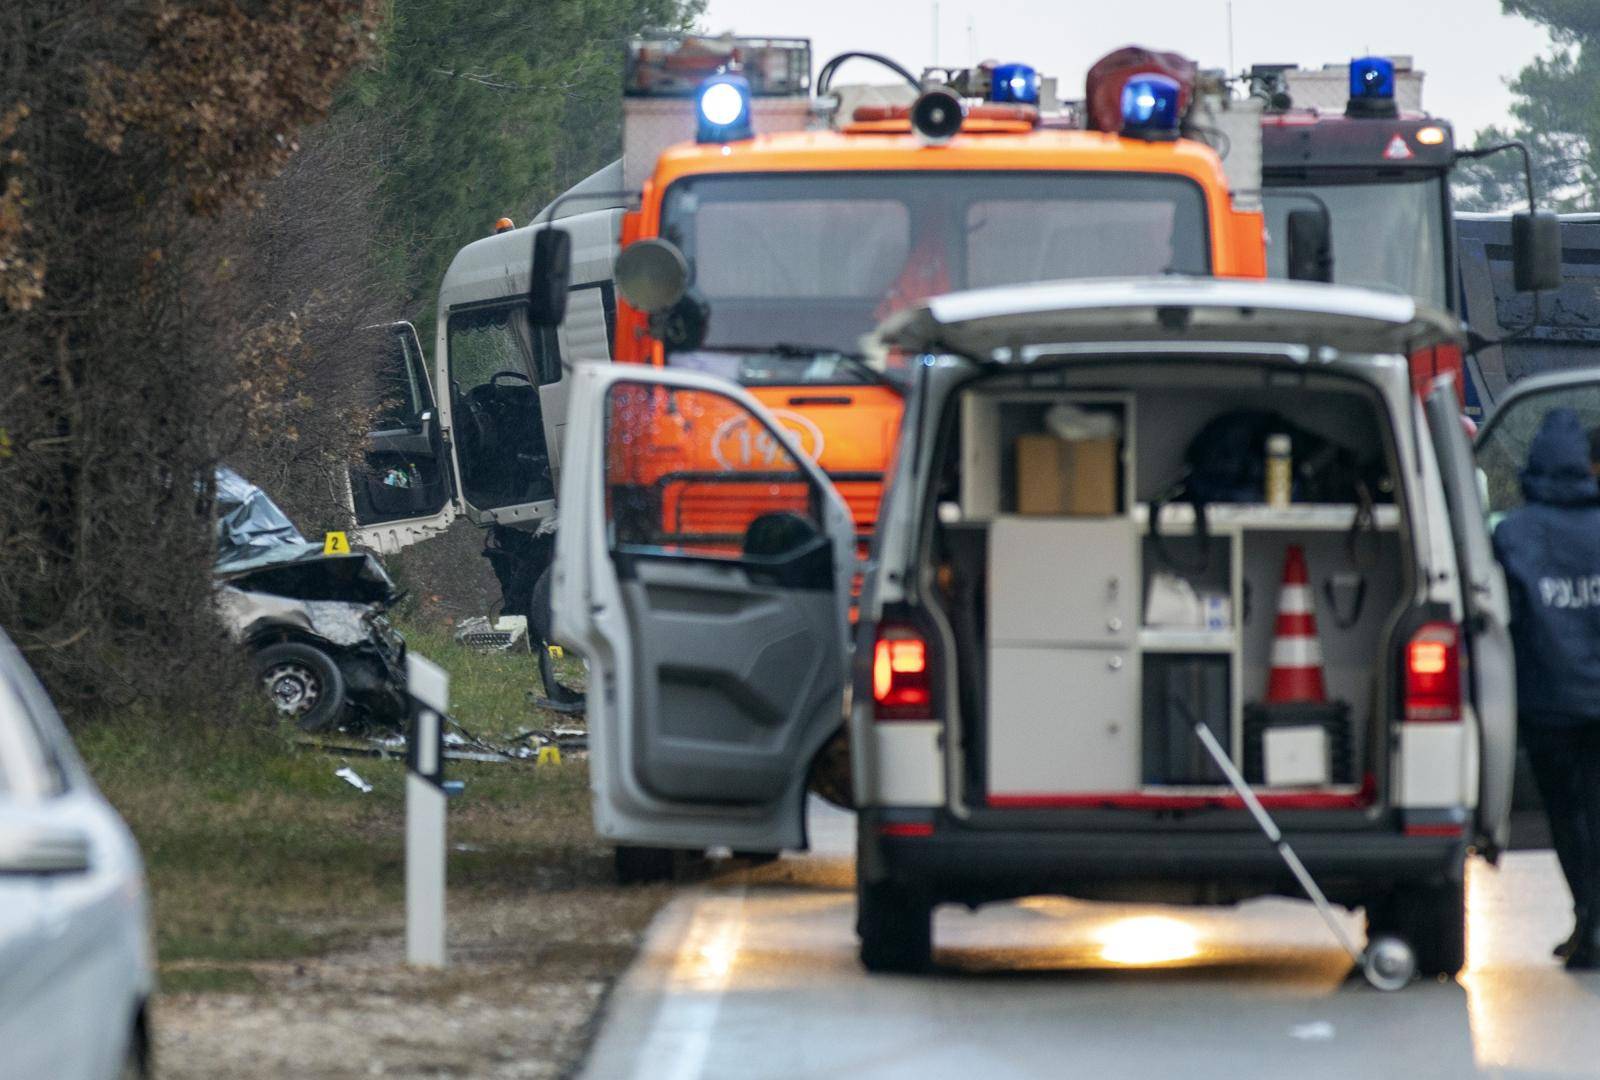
{"type": "Point", "coordinates": [1014, 84]}
{"type": "Point", "coordinates": [1150, 107]}
{"type": "Point", "coordinates": [1372, 88]}
{"type": "Point", "coordinates": [722, 109]}
{"type": "Point", "coordinates": [1372, 77]}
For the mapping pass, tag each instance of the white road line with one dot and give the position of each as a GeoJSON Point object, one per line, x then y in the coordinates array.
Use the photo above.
{"type": "Point", "coordinates": [680, 1037]}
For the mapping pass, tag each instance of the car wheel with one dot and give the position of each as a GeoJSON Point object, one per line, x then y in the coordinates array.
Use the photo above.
{"type": "Point", "coordinates": [1432, 919]}
{"type": "Point", "coordinates": [539, 624]}
{"type": "Point", "coordinates": [136, 1063]}
{"type": "Point", "coordinates": [896, 928]}
{"type": "Point", "coordinates": [303, 683]}
{"type": "Point", "coordinates": [636, 865]}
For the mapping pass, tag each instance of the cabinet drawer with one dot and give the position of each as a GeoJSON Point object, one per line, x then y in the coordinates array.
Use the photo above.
{"type": "Point", "coordinates": [1063, 581]}
{"type": "Point", "coordinates": [1063, 721]}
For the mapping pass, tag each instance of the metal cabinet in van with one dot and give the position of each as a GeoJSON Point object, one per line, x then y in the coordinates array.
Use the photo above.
{"type": "Point", "coordinates": [1002, 683]}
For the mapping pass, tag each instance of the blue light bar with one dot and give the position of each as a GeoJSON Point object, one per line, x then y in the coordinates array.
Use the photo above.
{"type": "Point", "coordinates": [1014, 84]}
{"type": "Point", "coordinates": [1372, 89]}
{"type": "Point", "coordinates": [722, 109]}
{"type": "Point", "coordinates": [1372, 77]}
{"type": "Point", "coordinates": [1150, 107]}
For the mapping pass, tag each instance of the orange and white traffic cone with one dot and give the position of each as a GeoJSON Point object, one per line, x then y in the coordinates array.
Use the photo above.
{"type": "Point", "coordinates": [1296, 652]}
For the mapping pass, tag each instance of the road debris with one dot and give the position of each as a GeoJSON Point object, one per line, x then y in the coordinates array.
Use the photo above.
{"type": "Point", "coordinates": [1314, 1031]}
{"type": "Point", "coordinates": [503, 635]}
{"type": "Point", "coordinates": [351, 777]}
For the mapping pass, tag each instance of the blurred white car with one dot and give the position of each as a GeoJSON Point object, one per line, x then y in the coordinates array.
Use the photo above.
{"type": "Point", "coordinates": [76, 971]}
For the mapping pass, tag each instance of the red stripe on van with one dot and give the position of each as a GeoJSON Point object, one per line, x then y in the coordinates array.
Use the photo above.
{"type": "Point", "coordinates": [1298, 800]}
{"type": "Point", "coordinates": [1433, 830]}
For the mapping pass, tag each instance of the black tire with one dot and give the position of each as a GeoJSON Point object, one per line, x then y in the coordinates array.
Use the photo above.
{"type": "Point", "coordinates": [303, 683]}
{"type": "Point", "coordinates": [896, 928]}
{"type": "Point", "coordinates": [1432, 919]}
{"type": "Point", "coordinates": [136, 1062]}
{"type": "Point", "coordinates": [636, 865]}
{"type": "Point", "coordinates": [540, 621]}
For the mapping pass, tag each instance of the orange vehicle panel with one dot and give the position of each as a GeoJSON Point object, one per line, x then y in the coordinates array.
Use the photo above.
{"type": "Point", "coordinates": [851, 430]}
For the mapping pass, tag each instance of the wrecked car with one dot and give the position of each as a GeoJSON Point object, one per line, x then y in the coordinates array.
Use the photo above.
{"type": "Point", "coordinates": [315, 623]}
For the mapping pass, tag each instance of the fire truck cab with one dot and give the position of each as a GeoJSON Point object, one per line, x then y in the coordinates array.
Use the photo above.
{"type": "Point", "coordinates": [1353, 141]}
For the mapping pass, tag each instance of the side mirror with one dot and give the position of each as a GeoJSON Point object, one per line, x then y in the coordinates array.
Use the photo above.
{"type": "Point", "coordinates": [1310, 245]}
{"type": "Point", "coordinates": [34, 847]}
{"type": "Point", "coordinates": [1535, 250]}
{"type": "Point", "coordinates": [550, 276]}
{"type": "Point", "coordinates": [652, 275]}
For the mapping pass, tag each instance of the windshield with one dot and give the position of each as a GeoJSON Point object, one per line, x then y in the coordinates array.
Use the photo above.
{"type": "Point", "coordinates": [819, 259]}
{"type": "Point", "coordinates": [1386, 235]}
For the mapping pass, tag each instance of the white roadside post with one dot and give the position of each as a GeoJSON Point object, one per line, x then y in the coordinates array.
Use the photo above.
{"type": "Point", "coordinates": [429, 687]}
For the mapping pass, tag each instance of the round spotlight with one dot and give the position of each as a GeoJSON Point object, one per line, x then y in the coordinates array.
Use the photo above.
{"type": "Point", "coordinates": [936, 116]}
{"type": "Point", "coordinates": [651, 274]}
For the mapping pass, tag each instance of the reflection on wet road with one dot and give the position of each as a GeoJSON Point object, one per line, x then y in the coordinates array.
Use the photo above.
{"type": "Point", "coordinates": [755, 975]}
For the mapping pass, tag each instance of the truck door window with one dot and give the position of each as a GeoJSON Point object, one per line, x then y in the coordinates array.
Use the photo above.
{"type": "Point", "coordinates": [1503, 449]}
{"type": "Point", "coordinates": [495, 357]}
{"type": "Point", "coordinates": [1386, 235]}
{"type": "Point", "coordinates": [691, 472]}
{"type": "Point", "coordinates": [401, 398]}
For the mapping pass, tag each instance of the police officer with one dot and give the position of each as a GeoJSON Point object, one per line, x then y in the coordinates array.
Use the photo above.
{"type": "Point", "coordinates": [1550, 548]}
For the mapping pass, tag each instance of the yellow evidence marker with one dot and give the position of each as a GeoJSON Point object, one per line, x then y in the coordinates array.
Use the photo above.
{"type": "Point", "coordinates": [556, 651]}
{"type": "Point", "coordinates": [335, 543]}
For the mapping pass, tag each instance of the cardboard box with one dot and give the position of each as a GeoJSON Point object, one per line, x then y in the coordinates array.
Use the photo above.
{"type": "Point", "coordinates": [1066, 476]}
{"type": "Point", "coordinates": [1295, 756]}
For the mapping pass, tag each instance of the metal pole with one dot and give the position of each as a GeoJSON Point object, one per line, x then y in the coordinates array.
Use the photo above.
{"type": "Point", "coordinates": [429, 687]}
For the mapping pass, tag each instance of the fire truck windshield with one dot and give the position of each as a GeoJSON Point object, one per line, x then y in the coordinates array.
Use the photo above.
{"type": "Point", "coordinates": [821, 258]}
{"type": "Point", "coordinates": [1386, 234]}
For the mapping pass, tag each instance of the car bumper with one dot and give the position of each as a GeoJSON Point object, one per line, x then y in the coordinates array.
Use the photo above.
{"type": "Point", "coordinates": [988, 864]}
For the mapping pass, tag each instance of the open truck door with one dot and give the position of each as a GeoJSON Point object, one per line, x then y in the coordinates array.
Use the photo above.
{"type": "Point", "coordinates": [401, 491]}
{"type": "Point", "coordinates": [1492, 683]}
{"type": "Point", "coordinates": [703, 569]}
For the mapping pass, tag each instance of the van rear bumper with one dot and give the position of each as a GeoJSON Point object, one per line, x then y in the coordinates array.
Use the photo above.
{"type": "Point", "coordinates": [967, 864]}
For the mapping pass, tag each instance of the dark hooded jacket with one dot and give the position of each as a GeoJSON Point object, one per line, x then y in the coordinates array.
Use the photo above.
{"type": "Point", "coordinates": [1550, 548]}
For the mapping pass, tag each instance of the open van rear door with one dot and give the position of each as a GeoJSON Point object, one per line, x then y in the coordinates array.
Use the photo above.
{"type": "Point", "coordinates": [1492, 676]}
{"type": "Point", "coordinates": [702, 568]}
{"type": "Point", "coordinates": [401, 490]}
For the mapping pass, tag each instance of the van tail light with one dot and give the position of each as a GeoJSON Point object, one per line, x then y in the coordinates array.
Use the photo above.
{"type": "Point", "coordinates": [1429, 363]}
{"type": "Point", "coordinates": [1433, 674]}
{"type": "Point", "coordinates": [902, 687]}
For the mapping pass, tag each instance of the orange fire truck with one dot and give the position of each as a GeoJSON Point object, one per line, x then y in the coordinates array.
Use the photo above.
{"type": "Point", "coordinates": [793, 229]}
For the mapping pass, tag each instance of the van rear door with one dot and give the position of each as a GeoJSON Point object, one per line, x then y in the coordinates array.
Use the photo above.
{"type": "Point", "coordinates": [702, 569]}
{"type": "Point", "coordinates": [401, 491]}
{"type": "Point", "coordinates": [1487, 617]}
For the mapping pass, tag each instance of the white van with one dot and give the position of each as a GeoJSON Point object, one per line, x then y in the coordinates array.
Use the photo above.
{"type": "Point", "coordinates": [1021, 706]}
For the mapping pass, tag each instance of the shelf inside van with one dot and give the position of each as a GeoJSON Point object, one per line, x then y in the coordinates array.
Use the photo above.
{"type": "Point", "coordinates": [1178, 518]}
{"type": "Point", "coordinates": [1175, 640]}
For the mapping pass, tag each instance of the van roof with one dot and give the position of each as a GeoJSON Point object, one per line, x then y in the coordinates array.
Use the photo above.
{"type": "Point", "coordinates": [987, 322]}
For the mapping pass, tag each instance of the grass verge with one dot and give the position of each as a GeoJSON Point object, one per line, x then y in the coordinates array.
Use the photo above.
{"type": "Point", "coordinates": [256, 852]}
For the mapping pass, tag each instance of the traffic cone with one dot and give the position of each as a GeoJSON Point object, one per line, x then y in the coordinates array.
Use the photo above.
{"type": "Point", "coordinates": [1296, 653]}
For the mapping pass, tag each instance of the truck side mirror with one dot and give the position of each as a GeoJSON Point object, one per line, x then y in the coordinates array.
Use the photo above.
{"type": "Point", "coordinates": [550, 276]}
{"type": "Point", "coordinates": [1310, 245]}
{"type": "Point", "coordinates": [1535, 250]}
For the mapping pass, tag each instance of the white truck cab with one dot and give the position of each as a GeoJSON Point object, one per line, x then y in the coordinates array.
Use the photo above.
{"type": "Point", "coordinates": [1020, 712]}
{"type": "Point", "coordinates": [482, 439]}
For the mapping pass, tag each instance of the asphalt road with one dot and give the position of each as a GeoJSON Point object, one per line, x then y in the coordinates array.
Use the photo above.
{"type": "Point", "coordinates": [754, 975]}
